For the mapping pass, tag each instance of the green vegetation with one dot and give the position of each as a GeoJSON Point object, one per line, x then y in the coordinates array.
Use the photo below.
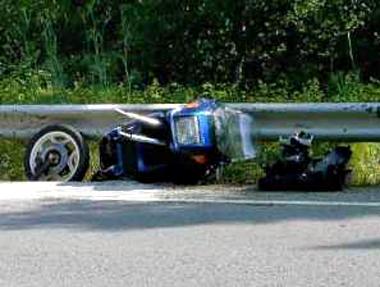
{"type": "Point", "coordinates": [92, 51]}
{"type": "Point", "coordinates": [365, 164]}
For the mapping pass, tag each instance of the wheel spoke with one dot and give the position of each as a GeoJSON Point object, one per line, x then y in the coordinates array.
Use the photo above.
{"type": "Point", "coordinates": [72, 161]}
{"type": "Point", "coordinates": [59, 140]}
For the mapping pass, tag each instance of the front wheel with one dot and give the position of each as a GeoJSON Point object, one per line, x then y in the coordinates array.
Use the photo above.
{"type": "Point", "coordinates": [56, 153]}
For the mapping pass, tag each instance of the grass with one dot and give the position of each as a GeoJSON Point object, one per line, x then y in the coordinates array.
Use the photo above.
{"type": "Point", "coordinates": [365, 164]}
{"type": "Point", "coordinates": [11, 160]}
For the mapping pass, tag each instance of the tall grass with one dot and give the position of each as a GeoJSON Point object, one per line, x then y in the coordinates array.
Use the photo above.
{"type": "Point", "coordinates": [365, 163]}
{"type": "Point", "coordinates": [49, 37]}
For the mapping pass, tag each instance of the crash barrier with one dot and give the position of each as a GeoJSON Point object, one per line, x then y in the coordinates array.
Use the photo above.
{"type": "Point", "coordinates": [326, 121]}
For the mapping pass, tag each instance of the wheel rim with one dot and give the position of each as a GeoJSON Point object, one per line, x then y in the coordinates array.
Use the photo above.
{"type": "Point", "coordinates": [61, 144]}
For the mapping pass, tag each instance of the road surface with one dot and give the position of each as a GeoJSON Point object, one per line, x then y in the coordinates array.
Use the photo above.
{"type": "Point", "coordinates": [120, 234]}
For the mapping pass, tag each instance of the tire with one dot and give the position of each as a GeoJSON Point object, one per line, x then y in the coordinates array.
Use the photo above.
{"type": "Point", "coordinates": [74, 163]}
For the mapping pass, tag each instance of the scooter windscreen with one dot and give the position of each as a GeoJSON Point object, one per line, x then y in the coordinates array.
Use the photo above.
{"type": "Point", "coordinates": [234, 133]}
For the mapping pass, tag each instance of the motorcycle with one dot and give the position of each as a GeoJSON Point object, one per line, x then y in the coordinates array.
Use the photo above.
{"type": "Point", "coordinates": [297, 170]}
{"type": "Point", "coordinates": [182, 145]}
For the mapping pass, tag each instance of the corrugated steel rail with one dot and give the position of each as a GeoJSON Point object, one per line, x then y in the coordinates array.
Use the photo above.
{"type": "Point", "coordinates": [327, 121]}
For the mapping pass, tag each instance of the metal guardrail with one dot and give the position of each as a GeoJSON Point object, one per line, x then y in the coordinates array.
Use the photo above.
{"type": "Point", "coordinates": [343, 121]}
{"type": "Point", "coordinates": [327, 121]}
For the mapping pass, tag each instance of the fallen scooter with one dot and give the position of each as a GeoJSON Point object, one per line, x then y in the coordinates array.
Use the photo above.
{"type": "Point", "coordinates": [184, 145]}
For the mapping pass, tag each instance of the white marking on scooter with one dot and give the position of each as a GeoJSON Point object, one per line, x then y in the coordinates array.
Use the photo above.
{"type": "Point", "coordinates": [145, 119]}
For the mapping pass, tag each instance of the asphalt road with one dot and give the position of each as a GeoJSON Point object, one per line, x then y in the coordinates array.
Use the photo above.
{"type": "Point", "coordinates": [126, 235]}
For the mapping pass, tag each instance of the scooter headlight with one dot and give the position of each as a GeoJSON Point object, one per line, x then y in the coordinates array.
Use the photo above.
{"type": "Point", "coordinates": [187, 130]}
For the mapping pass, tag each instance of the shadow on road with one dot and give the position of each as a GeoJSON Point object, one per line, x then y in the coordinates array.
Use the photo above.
{"type": "Point", "coordinates": [117, 215]}
{"type": "Point", "coordinates": [364, 244]}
